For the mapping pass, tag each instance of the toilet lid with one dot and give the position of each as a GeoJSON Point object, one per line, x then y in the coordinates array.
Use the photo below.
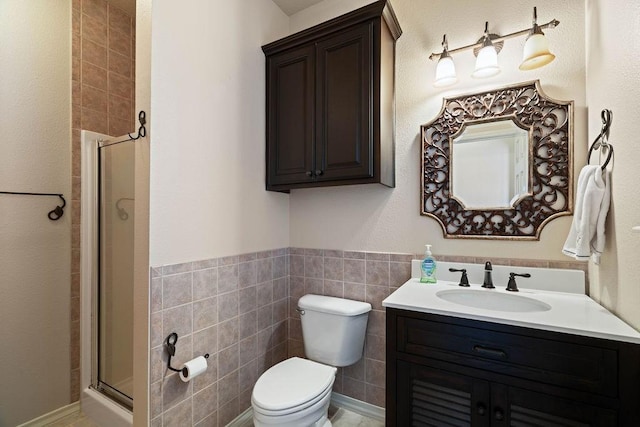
{"type": "Point", "coordinates": [292, 383]}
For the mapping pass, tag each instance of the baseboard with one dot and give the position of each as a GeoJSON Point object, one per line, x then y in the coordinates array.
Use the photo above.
{"type": "Point", "coordinates": [53, 416]}
{"type": "Point", "coordinates": [359, 407]}
{"type": "Point", "coordinates": [245, 419]}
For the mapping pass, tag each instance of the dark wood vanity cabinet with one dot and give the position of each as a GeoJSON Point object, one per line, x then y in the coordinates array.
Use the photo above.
{"type": "Point", "coordinates": [448, 371]}
{"type": "Point", "coordinates": [330, 102]}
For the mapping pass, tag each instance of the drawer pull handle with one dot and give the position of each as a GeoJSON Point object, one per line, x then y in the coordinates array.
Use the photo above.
{"type": "Point", "coordinates": [499, 414]}
{"type": "Point", "coordinates": [486, 351]}
{"type": "Point", "coordinates": [481, 409]}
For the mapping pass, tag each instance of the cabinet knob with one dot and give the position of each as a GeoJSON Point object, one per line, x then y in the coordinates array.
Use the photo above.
{"type": "Point", "coordinates": [319, 172]}
{"type": "Point", "coordinates": [498, 414]}
{"type": "Point", "coordinates": [309, 173]}
{"type": "Point", "coordinates": [481, 409]}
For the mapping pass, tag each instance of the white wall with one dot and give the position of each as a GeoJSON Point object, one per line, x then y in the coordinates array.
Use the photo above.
{"type": "Point", "coordinates": [35, 154]}
{"type": "Point", "coordinates": [372, 217]}
{"type": "Point", "coordinates": [208, 131]}
{"type": "Point", "coordinates": [613, 67]}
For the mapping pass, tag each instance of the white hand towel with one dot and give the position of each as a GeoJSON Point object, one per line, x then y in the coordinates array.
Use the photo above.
{"type": "Point", "coordinates": [586, 236]}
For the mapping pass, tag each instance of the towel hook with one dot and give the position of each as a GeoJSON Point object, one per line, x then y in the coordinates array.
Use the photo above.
{"type": "Point", "coordinates": [142, 131]}
{"type": "Point", "coordinates": [606, 117]}
{"type": "Point", "coordinates": [602, 140]}
{"type": "Point", "coordinates": [58, 211]}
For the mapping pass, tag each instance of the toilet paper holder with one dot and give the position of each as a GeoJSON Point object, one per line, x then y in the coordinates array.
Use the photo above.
{"type": "Point", "coordinates": [171, 341]}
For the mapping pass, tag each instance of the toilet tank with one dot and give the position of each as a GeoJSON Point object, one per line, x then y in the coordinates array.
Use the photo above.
{"type": "Point", "coordinates": [333, 329]}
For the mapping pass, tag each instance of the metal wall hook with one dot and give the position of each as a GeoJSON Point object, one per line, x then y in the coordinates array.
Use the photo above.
{"type": "Point", "coordinates": [607, 117]}
{"type": "Point", "coordinates": [602, 140]}
{"type": "Point", "coordinates": [142, 131]}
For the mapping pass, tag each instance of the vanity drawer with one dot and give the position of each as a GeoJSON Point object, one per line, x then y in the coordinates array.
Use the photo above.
{"type": "Point", "coordinates": [581, 366]}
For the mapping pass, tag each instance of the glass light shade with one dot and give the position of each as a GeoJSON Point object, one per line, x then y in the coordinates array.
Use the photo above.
{"type": "Point", "coordinates": [445, 72]}
{"type": "Point", "coordinates": [536, 52]}
{"type": "Point", "coordinates": [486, 63]}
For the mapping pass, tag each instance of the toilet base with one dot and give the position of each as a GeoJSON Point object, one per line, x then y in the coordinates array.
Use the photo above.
{"type": "Point", "coordinates": [314, 416]}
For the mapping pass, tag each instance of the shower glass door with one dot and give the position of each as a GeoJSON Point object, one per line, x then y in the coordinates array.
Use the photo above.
{"type": "Point", "coordinates": [115, 278]}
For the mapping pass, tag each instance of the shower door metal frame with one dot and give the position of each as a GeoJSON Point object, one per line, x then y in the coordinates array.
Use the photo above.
{"type": "Point", "coordinates": [113, 393]}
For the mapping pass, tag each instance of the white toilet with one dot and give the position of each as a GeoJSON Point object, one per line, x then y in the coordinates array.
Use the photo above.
{"type": "Point", "coordinates": [297, 392]}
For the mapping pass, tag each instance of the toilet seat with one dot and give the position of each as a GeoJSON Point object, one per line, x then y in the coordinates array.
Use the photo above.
{"type": "Point", "coordinates": [292, 385]}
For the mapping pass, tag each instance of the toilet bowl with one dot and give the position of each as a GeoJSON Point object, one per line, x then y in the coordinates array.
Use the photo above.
{"type": "Point", "coordinates": [297, 392]}
{"type": "Point", "coordinates": [293, 393]}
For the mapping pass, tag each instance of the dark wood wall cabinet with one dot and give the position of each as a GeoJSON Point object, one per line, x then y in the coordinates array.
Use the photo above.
{"type": "Point", "coordinates": [457, 372]}
{"type": "Point", "coordinates": [330, 102]}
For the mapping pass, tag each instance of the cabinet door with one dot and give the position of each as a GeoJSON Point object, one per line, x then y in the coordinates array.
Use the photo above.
{"type": "Point", "coordinates": [344, 105]}
{"type": "Point", "coordinates": [432, 397]}
{"type": "Point", "coordinates": [511, 406]}
{"type": "Point", "coordinates": [290, 118]}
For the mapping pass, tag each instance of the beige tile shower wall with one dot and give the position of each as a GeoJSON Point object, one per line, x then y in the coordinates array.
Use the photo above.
{"type": "Point", "coordinates": [103, 72]}
{"type": "Point", "coordinates": [234, 308]}
{"type": "Point", "coordinates": [361, 276]}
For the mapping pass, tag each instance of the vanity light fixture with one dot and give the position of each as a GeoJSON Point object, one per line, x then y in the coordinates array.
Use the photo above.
{"type": "Point", "coordinates": [536, 52]}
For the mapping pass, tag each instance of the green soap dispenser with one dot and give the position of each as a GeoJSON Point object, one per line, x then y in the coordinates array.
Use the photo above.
{"type": "Point", "coordinates": [428, 267]}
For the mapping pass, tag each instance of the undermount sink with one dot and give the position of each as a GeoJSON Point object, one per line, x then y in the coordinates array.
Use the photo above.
{"type": "Point", "coordinates": [492, 300]}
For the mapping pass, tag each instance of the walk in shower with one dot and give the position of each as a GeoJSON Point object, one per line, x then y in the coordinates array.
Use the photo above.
{"type": "Point", "coordinates": [108, 171]}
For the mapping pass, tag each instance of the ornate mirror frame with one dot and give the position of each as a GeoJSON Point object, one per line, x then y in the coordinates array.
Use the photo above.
{"type": "Point", "coordinates": [550, 125]}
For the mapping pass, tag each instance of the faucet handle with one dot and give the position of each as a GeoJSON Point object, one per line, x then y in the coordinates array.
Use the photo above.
{"type": "Point", "coordinates": [512, 286]}
{"type": "Point", "coordinates": [464, 280]}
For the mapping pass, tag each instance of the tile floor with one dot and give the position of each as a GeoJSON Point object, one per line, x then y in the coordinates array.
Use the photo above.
{"type": "Point", "coordinates": [344, 418]}
{"type": "Point", "coordinates": [339, 418]}
{"type": "Point", "coordinates": [74, 420]}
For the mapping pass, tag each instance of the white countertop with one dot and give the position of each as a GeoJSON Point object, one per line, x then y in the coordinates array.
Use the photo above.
{"type": "Point", "coordinates": [570, 312]}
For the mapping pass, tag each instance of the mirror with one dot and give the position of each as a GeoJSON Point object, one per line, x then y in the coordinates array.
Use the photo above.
{"type": "Point", "coordinates": [490, 164]}
{"type": "Point", "coordinates": [498, 164]}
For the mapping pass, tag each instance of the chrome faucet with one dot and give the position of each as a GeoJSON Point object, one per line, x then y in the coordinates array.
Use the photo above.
{"type": "Point", "coordinates": [488, 280]}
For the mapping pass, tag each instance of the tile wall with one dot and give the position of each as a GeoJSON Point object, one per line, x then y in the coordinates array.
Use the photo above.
{"type": "Point", "coordinates": [241, 310]}
{"type": "Point", "coordinates": [103, 68]}
{"type": "Point", "coordinates": [361, 276]}
{"type": "Point", "coordinates": [234, 308]}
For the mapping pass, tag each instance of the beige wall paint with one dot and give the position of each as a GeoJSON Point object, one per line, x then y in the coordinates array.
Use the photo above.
{"type": "Point", "coordinates": [372, 217]}
{"type": "Point", "coordinates": [35, 156]}
{"type": "Point", "coordinates": [208, 127]}
{"type": "Point", "coordinates": [613, 66]}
